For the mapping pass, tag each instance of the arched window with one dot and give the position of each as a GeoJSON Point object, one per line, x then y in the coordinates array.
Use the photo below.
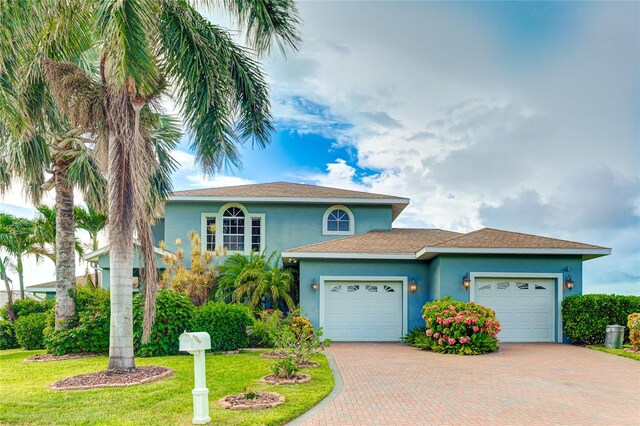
{"type": "Point", "coordinates": [338, 220]}
{"type": "Point", "coordinates": [233, 229]}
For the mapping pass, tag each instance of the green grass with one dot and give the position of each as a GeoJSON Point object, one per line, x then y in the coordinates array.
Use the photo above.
{"type": "Point", "coordinates": [26, 399]}
{"type": "Point", "coordinates": [619, 352]}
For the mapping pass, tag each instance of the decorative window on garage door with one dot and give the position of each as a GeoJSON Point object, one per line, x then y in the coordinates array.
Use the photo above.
{"type": "Point", "coordinates": [336, 288]}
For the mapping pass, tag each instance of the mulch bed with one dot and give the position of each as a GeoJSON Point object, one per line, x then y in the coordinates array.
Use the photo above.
{"type": "Point", "coordinates": [633, 350]}
{"type": "Point", "coordinates": [262, 401]}
{"type": "Point", "coordinates": [105, 379]}
{"type": "Point", "coordinates": [49, 357]}
{"type": "Point", "coordinates": [273, 354]}
{"type": "Point", "coordinates": [309, 364]}
{"type": "Point", "coordinates": [236, 351]}
{"type": "Point", "coordinates": [274, 379]}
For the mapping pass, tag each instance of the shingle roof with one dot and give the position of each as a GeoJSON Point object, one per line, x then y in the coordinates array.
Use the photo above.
{"type": "Point", "coordinates": [431, 242]}
{"type": "Point", "coordinates": [496, 238]}
{"type": "Point", "coordinates": [398, 240]}
{"type": "Point", "coordinates": [282, 190]}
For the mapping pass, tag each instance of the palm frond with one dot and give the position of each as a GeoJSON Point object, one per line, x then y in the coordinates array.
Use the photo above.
{"type": "Point", "coordinates": [266, 22]}
{"type": "Point", "coordinates": [124, 28]}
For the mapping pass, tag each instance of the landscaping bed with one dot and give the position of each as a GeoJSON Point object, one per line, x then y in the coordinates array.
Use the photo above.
{"type": "Point", "coordinates": [50, 357]}
{"type": "Point", "coordinates": [261, 401]}
{"type": "Point", "coordinates": [296, 379]}
{"type": "Point", "coordinates": [105, 379]}
{"type": "Point", "coordinates": [627, 352]}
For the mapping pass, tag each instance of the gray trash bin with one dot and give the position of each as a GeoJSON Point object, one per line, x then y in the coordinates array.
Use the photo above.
{"type": "Point", "coordinates": [614, 337]}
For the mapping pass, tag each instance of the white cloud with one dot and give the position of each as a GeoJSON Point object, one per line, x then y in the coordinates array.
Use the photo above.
{"type": "Point", "coordinates": [445, 112]}
{"type": "Point", "coordinates": [201, 181]}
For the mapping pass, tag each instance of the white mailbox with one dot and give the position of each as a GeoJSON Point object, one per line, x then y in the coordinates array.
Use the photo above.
{"type": "Point", "coordinates": [191, 342]}
{"type": "Point", "coordinates": [196, 344]}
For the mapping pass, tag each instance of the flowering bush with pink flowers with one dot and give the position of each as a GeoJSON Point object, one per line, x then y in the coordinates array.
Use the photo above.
{"type": "Point", "coordinates": [459, 328]}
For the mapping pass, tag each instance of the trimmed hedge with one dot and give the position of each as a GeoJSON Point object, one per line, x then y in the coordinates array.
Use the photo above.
{"type": "Point", "coordinates": [29, 330]}
{"type": "Point", "coordinates": [89, 331]}
{"type": "Point", "coordinates": [7, 336]}
{"type": "Point", "coordinates": [585, 317]}
{"type": "Point", "coordinates": [174, 314]}
{"type": "Point", "coordinates": [24, 307]}
{"type": "Point", "coordinates": [226, 324]}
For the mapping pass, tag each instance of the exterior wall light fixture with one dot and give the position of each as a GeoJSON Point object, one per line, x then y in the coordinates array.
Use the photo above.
{"type": "Point", "coordinates": [466, 281]}
{"type": "Point", "coordinates": [568, 282]}
{"type": "Point", "coordinates": [413, 286]}
{"type": "Point", "coordinates": [314, 285]}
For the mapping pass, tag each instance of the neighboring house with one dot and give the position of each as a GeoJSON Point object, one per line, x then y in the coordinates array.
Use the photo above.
{"type": "Point", "coordinates": [4, 296]}
{"type": "Point", "coordinates": [363, 280]}
{"type": "Point", "coordinates": [48, 289]}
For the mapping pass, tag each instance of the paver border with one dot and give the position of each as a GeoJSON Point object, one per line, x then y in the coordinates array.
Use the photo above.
{"type": "Point", "coordinates": [338, 385]}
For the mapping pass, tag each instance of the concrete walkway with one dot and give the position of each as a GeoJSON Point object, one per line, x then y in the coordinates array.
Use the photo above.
{"type": "Point", "coordinates": [532, 384]}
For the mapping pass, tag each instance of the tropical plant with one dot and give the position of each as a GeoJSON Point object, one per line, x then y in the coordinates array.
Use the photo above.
{"type": "Point", "coordinates": [455, 327]}
{"type": "Point", "coordinates": [256, 280]}
{"type": "Point", "coordinates": [145, 47]}
{"type": "Point", "coordinates": [44, 233]}
{"type": "Point", "coordinates": [6, 265]}
{"type": "Point", "coordinates": [29, 330]}
{"type": "Point", "coordinates": [93, 222]}
{"type": "Point", "coordinates": [17, 240]}
{"type": "Point", "coordinates": [226, 324]}
{"type": "Point", "coordinates": [199, 279]}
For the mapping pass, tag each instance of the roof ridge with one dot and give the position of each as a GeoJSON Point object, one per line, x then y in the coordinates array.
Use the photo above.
{"type": "Point", "coordinates": [462, 234]}
{"type": "Point", "coordinates": [327, 241]}
{"type": "Point", "coordinates": [540, 236]}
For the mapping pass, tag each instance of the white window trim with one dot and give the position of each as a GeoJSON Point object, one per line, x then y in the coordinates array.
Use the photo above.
{"type": "Point", "coordinates": [219, 227]}
{"type": "Point", "coordinates": [559, 290]}
{"type": "Point", "coordinates": [325, 217]}
{"type": "Point", "coordinates": [325, 279]}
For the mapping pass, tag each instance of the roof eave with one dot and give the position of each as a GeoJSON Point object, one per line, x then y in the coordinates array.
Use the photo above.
{"type": "Point", "coordinates": [289, 255]}
{"type": "Point", "coordinates": [586, 253]}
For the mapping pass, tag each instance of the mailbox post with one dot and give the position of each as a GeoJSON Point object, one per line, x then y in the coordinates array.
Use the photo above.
{"type": "Point", "coordinates": [196, 344]}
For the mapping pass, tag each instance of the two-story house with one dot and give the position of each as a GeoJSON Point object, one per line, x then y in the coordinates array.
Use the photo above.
{"type": "Point", "coordinates": [363, 280]}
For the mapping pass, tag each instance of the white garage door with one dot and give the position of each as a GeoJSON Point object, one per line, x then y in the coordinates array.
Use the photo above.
{"type": "Point", "coordinates": [524, 307]}
{"type": "Point", "coordinates": [362, 311]}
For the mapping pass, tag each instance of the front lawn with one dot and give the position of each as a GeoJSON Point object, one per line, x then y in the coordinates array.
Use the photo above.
{"type": "Point", "coordinates": [26, 399]}
{"type": "Point", "coordinates": [619, 352]}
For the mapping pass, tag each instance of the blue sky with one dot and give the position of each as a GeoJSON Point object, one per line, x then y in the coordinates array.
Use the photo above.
{"type": "Point", "coordinates": [513, 115]}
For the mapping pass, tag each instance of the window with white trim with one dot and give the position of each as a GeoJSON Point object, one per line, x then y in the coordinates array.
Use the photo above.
{"type": "Point", "coordinates": [210, 233]}
{"type": "Point", "coordinates": [234, 229]}
{"type": "Point", "coordinates": [338, 220]}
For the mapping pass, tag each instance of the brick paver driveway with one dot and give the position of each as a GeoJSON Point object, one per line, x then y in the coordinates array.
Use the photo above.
{"type": "Point", "coordinates": [393, 384]}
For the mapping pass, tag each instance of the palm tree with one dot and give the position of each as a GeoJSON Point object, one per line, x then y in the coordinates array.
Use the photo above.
{"type": "Point", "coordinates": [146, 47]}
{"type": "Point", "coordinates": [17, 239]}
{"type": "Point", "coordinates": [93, 222]}
{"type": "Point", "coordinates": [275, 285]}
{"type": "Point", "coordinates": [6, 264]}
{"type": "Point", "coordinates": [38, 146]}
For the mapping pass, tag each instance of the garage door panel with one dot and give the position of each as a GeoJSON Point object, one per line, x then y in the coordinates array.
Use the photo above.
{"type": "Point", "coordinates": [361, 311]}
{"type": "Point", "coordinates": [524, 307]}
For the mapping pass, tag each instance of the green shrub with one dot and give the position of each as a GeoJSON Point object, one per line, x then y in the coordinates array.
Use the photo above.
{"type": "Point", "coordinates": [634, 329]}
{"type": "Point", "coordinates": [297, 339]}
{"type": "Point", "coordinates": [26, 307]}
{"type": "Point", "coordinates": [285, 368]}
{"type": "Point", "coordinates": [7, 335]}
{"type": "Point", "coordinates": [89, 331]}
{"type": "Point", "coordinates": [585, 317]}
{"type": "Point", "coordinates": [29, 330]}
{"type": "Point", "coordinates": [415, 334]}
{"type": "Point", "coordinates": [226, 324]}
{"type": "Point", "coordinates": [264, 328]}
{"type": "Point", "coordinates": [459, 328]}
{"type": "Point", "coordinates": [174, 314]}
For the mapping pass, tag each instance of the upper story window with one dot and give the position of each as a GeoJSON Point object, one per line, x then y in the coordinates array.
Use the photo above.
{"type": "Point", "coordinates": [234, 229]}
{"type": "Point", "coordinates": [338, 220]}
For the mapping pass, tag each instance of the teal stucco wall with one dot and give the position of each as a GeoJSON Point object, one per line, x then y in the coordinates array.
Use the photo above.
{"type": "Point", "coordinates": [442, 276]}
{"type": "Point", "coordinates": [287, 226]}
{"type": "Point", "coordinates": [313, 269]}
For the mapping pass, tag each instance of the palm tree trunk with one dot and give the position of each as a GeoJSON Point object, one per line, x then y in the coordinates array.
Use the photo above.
{"type": "Point", "coordinates": [65, 254]}
{"type": "Point", "coordinates": [149, 277]}
{"type": "Point", "coordinates": [7, 285]}
{"type": "Point", "coordinates": [20, 271]}
{"type": "Point", "coordinates": [121, 201]}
